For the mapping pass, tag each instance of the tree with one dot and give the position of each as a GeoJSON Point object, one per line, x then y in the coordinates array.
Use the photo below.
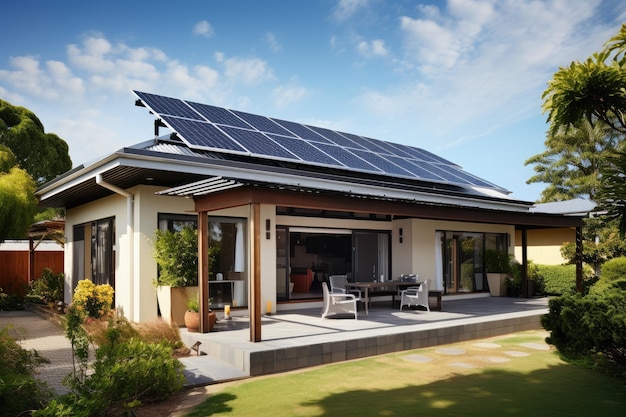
{"type": "Point", "coordinates": [17, 197]}
{"type": "Point", "coordinates": [602, 242]}
{"type": "Point", "coordinates": [574, 159]}
{"type": "Point", "coordinates": [593, 90]}
{"type": "Point", "coordinates": [43, 155]}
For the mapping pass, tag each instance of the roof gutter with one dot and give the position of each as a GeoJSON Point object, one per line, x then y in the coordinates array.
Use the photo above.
{"type": "Point", "coordinates": [130, 199]}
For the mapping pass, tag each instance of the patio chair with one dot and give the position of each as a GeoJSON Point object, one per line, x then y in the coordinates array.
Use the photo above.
{"type": "Point", "coordinates": [338, 284]}
{"type": "Point", "coordinates": [338, 304]}
{"type": "Point", "coordinates": [417, 296]}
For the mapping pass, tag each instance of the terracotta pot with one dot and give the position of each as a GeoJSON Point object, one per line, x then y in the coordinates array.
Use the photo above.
{"type": "Point", "coordinates": [192, 321]}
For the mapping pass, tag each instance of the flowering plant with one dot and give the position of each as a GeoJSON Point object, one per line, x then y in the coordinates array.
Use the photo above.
{"type": "Point", "coordinates": [94, 300]}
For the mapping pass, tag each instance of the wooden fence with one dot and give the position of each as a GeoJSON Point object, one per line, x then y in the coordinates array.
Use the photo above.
{"type": "Point", "coordinates": [14, 268]}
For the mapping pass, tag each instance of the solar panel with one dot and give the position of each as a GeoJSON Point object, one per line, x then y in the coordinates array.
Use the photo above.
{"type": "Point", "coordinates": [302, 131]}
{"type": "Point", "coordinates": [304, 150]}
{"type": "Point", "coordinates": [413, 167]}
{"type": "Point", "coordinates": [381, 163]}
{"type": "Point", "coordinates": [168, 106]}
{"type": "Point", "coordinates": [347, 158]}
{"type": "Point", "coordinates": [257, 143]}
{"type": "Point", "coordinates": [263, 123]}
{"type": "Point", "coordinates": [201, 134]}
{"type": "Point", "coordinates": [336, 137]}
{"type": "Point", "coordinates": [219, 115]}
{"type": "Point", "coordinates": [202, 126]}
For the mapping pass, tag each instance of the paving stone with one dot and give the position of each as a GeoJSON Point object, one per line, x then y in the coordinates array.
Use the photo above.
{"type": "Point", "coordinates": [487, 345]}
{"type": "Point", "coordinates": [450, 351]}
{"type": "Point", "coordinates": [418, 358]}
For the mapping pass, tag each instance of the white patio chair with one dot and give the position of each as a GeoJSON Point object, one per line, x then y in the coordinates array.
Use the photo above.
{"type": "Point", "coordinates": [417, 296]}
{"type": "Point", "coordinates": [338, 284]}
{"type": "Point", "coordinates": [338, 304]}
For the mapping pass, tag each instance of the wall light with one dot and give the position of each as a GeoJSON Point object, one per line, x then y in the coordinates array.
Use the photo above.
{"type": "Point", "coordinates": [400, 234]}
{"type": "Point", "coordinates": [267, 228]}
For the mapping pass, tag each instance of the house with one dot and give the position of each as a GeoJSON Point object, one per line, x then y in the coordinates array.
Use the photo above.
{"type": "Point", "coordinates": [279, 207]}
{"type": "Point", "coordinates": [544, 245]}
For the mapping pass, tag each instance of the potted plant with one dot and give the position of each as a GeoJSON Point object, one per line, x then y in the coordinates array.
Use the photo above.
{"type": "Point", "coordinates": [498, 267]}
{"type": "Point", "coordinates": [192, 315]}
{"type": "Point", "coordinates": [176, 254]}
{"type": "Point", "coordinates": [514, 281]}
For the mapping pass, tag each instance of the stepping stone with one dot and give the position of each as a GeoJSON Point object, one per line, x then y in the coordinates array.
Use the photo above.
{"type": "Point", "coordinates": [418, 358]}
{"type": "Point", "coordinates": [461, 365]}
{"type": "Point", "coordinates": [487, 345]}
{"type": "Point", "coordinates": [450, 351]}
{"type": "Point", "coordinates": [516, 353]}
{"type": "Point", "coordinates": [493, 359]}
{"type": "Point", "coordinates": [536, 346]}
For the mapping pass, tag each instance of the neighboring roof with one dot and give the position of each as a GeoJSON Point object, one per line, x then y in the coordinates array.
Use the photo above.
{"type": "Point", "coordinates": [574, 207]}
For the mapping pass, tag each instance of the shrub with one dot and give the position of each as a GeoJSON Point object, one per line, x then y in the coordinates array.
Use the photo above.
{"type": "Point", "coordinates": [614, 269]}
{"type": "Point", "coordinates": [95, 300]}
{"type": "Point", "coordinates": [19, 390]}
{"type": "Point", "coordinates": [127, 371]}
{"type": "Point", "coordinates": [556, 279]}
{"type": "Point", "coordinates": [47, 289]}
{"type": "Point", "coordinates": [176, 254]}
{"type": "Point", "coordinates": [9, 302]}
{"type": "Point", "coordinates": [591, 327]}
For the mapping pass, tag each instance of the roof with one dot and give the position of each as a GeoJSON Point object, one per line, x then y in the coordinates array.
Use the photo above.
{"type": "Point", "coordinates": [169, 162]}
{"type": "Point", "coordinates": [577, 207]}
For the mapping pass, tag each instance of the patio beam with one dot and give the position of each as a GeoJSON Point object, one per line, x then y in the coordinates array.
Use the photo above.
{"type": "Point", "coordinates": [377, 205]}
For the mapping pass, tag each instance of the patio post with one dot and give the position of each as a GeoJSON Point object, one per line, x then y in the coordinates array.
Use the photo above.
{"type": "Point", "coordinates": [203, 270]}
{"type": "Point", "coordinates": [525, 289]}
{"type": "Point", "coordinates": [255, 281]}
{"type": "Point", "coordinates": [579, 259]}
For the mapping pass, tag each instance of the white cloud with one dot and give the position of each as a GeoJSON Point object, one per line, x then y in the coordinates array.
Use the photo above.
{"type": "Point", "coordinates": [484, 60]}
{"type": "Point", "coordinates": [375, 48]}
{"type": "Point", "coordinates": [248, 71]}
{"type": "Point", "coordinates": [284, 96]}
{"type": "Point", "coordinates": [204, 29]}
{"type": "Point", "coordinates": [272, 42]}
{"type": "Point", "coordinates": [345, 9]}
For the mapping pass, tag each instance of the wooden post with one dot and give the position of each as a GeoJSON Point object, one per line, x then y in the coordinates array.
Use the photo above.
{"type": "Point", "coordinates": [255, 279]}
{"type": "Point", "coordinates": [203, 270]}
{"type": "Point", "coordinates": [525, 289]}
{"type": "Point", "coordinates": [579, 260]}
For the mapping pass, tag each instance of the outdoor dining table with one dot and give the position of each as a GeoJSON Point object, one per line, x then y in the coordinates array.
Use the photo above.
{"type": "Point", "coordinates": [366, 286]}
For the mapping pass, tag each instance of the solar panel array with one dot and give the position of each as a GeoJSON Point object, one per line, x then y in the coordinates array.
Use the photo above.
{"type": "Point", "coordinates": [206, 127]}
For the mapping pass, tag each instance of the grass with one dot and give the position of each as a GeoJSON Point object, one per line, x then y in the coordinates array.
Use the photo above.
{"type": "Point", "coordinates": [513, 375]}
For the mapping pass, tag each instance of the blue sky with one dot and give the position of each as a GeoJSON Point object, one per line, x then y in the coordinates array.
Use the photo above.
{"type": "Point", "coordinates": [460, 78]}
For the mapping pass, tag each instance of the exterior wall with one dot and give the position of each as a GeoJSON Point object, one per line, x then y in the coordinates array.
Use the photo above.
{"type": "Point", "coordinates": [417, 253]}
{"type": "Point", "coordinates": [148, 205]}
{"type": "Point", "coordinates": [111, 206]}
{"type": "Point", "coordinates": [135, 268]}
{"type": "Point", "coordinates": [544, 245]}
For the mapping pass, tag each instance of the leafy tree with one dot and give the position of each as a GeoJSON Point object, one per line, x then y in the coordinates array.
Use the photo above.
{"type": "Point", "coordinates": [43, 155]}
{"type": "Point", "coordinates": [573, 160]}
{"type": "Point", "coordinates": [602, 242]}
{"type": "Point", "coordinates": [593, 90]}
{"type": "Point", "coordinates": [17, 197]}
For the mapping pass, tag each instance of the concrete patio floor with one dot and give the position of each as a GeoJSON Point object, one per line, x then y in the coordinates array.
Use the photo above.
{"type": "Point", "coordinates": [301, 338]}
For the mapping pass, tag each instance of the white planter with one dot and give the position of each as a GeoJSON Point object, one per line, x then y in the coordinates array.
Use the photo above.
{"type": "Point", "coordinates": [173, 302]}
{"type": "Point", "coordinates": [497, 284]}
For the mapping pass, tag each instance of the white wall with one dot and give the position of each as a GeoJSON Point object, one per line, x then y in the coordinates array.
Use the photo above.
{"type": "Point", "coordinates": [417, 253]}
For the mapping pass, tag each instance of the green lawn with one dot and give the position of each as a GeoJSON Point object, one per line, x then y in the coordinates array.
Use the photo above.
{"type": "Point", "coordinates": [513, 375]}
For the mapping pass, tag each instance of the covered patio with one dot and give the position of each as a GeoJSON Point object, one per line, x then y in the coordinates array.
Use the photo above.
{"type": "Point", "coordinates": [301, 338]}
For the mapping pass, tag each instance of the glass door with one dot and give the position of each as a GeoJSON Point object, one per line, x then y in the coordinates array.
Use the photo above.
{"type": "Point", "coordinates": [371, 256]}
{"type": "Point", "coordinates": [463, 262]}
